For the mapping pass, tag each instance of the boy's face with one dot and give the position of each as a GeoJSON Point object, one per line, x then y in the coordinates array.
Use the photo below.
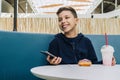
{"type": "Point", "coordinates": [67, 22]}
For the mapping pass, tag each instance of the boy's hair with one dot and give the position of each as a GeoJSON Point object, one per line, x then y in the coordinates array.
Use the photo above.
{"type": "Point", "coordinates": [68, 8]}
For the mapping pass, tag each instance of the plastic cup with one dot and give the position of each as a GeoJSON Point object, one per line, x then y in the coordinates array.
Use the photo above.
{"type": "Point", "coordinates": [107, 54]}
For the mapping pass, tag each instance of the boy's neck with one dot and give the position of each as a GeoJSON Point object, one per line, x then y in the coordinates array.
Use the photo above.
{"type": "Point", "coordinates": [71, 35]}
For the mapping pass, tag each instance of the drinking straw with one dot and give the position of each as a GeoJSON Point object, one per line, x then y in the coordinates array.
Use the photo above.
{"type": "Point", "coordinates": [106, 39]}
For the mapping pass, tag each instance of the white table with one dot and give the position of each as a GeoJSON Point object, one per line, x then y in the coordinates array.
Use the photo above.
{"type": "Point", "coordinates": [75, 72]}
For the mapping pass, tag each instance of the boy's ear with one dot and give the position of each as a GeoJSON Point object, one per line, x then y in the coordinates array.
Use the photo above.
{"type": "Point", "coordinates": [77, 19]}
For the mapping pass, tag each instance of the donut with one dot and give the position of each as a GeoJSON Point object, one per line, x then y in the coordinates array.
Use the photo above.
{"type": "Point", "coordinates": [85, 62]}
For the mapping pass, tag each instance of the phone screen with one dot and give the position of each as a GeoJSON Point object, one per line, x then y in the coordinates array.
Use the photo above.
{"type": "Point", "coordinates": [48, 53]}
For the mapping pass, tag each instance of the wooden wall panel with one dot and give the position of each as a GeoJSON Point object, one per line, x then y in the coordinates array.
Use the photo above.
{"type": "Point", "coordinates": [6, 24]}
{"type": "Point", "coordinates": [50, 25]}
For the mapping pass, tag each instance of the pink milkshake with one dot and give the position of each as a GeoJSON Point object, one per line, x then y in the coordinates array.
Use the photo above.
{"type": "Point", "coordinates": [107, 54]}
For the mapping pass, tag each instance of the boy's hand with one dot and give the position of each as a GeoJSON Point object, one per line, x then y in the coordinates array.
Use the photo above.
{"type": "Point", "coordinates": [55, 60]}
{"type": "Point", "coordinates": [113, 61]}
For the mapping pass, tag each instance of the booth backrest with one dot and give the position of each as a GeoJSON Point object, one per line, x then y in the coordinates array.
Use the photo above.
{"type": "Point", "coordinates": [19, 52]}
{"type": "Point", "coordinates": [99, 40]}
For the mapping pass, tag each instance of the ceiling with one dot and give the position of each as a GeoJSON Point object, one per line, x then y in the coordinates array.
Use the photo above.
{"type": "Point", "coordinates": [21, 6]}
{"type": "Point", "coordinates": [108, 5]}
{"type": "Point", "coordinates": [51, 6]}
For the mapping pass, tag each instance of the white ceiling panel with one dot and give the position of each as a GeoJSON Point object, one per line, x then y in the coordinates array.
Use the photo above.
{"type": "Point", "coordinates": [51, 6]}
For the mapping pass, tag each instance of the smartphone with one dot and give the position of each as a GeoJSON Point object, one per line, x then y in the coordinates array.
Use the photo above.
{"type": "Point", "coordinates": [48, 53]}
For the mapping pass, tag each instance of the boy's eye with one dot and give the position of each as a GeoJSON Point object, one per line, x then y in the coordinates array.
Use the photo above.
{"type": "Point", "coordinates": [59, 19]}
{"type": "Point", "coordinates": [67, 17]}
